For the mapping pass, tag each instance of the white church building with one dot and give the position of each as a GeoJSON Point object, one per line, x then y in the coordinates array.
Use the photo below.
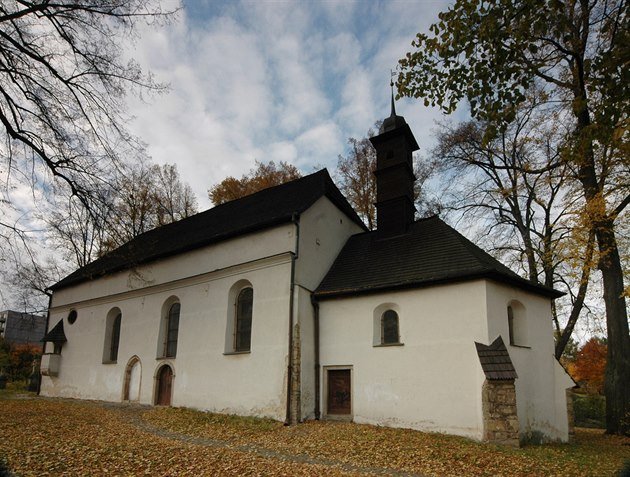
{"type": "Point", "coordinates": [282, 304]}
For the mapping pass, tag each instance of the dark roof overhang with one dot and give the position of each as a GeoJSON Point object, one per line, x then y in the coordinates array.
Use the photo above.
{"type": "Point", "coordinates": [262, 210]}
{"type": "Point", "coordinates": [495, 361]}
{"type": "Point", "coordinates": [444, 280]}
{"type": "Point", "coordinates": [56, 335]}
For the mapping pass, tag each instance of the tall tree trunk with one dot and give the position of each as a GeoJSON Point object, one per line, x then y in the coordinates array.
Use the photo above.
{"type": "Point", "coordinates": [616, 387]}
{"type": "Point", "coordinates": [617, 378]}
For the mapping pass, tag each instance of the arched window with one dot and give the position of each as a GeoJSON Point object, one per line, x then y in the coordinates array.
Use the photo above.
{"type": "Point", "coordinates": [389, 327]}
{"type": "Point", "coordinates": [113, 323]}
{"type": "Point", "coordinates": [113, 348]}
{"type": "Point", "coordinates": [243, 325]}
{"type": "Point", "coordinates": [517, 324]}
{"type": "Point", "coordinates": [172, 330]}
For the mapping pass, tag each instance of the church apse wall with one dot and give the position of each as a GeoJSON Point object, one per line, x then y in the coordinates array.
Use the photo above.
{"type": "Point", "coordinates": [431, 380]}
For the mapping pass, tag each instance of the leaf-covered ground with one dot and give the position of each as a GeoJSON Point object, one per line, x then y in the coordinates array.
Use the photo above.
{"type": "Point", "coordinates": [66, 437]}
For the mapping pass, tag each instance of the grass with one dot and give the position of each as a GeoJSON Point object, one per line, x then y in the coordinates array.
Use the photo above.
{"type": "Point", "coordinates": [65, 437]}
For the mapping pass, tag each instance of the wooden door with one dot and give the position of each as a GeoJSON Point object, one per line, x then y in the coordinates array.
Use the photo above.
{"type": "Point", "coordinates": [165, 385]}
{"type": "Point", "coordinates": [339, 392]}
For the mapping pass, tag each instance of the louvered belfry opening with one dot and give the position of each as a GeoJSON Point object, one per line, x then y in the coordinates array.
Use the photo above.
{"type": "Point", "coordinates": [394, 145]}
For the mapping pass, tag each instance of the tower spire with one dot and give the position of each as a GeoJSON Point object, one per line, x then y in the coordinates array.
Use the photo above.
{"type": "Point", "coordinates": [391, 85]}
{"type": "Point", "coordinates": [394, 146]}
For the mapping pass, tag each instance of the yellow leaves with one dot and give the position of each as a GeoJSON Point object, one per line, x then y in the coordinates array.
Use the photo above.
{"type": "Point", "coordinates": [55, 437]}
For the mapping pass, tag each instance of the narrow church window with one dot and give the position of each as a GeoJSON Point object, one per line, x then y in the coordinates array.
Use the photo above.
{"type": "Point", "coordinates": [510, 313]}
{"type": "Point", "coordinates": [172, 330]}
{"type": "Point", "coordinates": [389, 328]}
{"type": "Point", "coordinates": [243, 328]}
{"type": "Point", "coordinates": [517, 324]}
{"type": "Point", "coordinates": [113, 324]}
{"type": "Point", "coordinates": [113, 349]}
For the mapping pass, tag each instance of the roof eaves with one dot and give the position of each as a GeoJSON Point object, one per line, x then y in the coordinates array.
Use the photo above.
{"type": "Point", "coordinates": [429, 282]}
{"type": "Point", "coordinates": [68, 281]}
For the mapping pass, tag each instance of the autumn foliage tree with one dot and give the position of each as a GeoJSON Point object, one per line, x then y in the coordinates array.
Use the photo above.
{"type": "Point", "coordinates": [589, 366]}
{"type": "Point", "coordinates": [262, 176]}
{"type": "Point", "coordinates": [357, 179]}
{"type": "Point", "coordinates": [491, 53]}
{"type": "Point", "coordinates": [22, 358]}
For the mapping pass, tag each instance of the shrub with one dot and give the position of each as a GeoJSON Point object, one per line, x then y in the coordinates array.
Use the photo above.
{"type": "Point", "coordinates": [589, 410]}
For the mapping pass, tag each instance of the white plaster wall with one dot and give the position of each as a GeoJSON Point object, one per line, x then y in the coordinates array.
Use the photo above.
{"type": "Point", "coordinates": [433, 382]}
{"type": "Point", "coordinates": [205, 378]}
{"type": "Point", "coordinates": [540, 388]}
{"type": "Point", "coordinates": [215, 257]}
{"type": "Point", "coordinates": [324, 230]}
{"type": "Point", "coordinates": [307, 352]}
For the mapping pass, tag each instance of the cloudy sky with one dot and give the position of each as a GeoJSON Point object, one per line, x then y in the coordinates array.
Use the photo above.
{"type": "Point", "coordinates": [265, 80]}
{"type": "Point", "coordinates": [274, 80]}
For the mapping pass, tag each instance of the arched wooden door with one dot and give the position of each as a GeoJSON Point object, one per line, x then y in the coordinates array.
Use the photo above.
{"type": "Point", "coordinates": [164, 386]}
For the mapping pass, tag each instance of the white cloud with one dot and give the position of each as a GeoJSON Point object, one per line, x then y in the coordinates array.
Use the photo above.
{"type": "Point", "coordinates": [322, 141]}
{"type": "Point", "coordinates": [284, 81]}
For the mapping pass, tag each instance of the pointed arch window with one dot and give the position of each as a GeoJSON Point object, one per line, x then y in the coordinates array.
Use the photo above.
{"type": "Point", "coordinates": [115, 340]}
{"type": "Point", "coordinates": [243, 326]}
{"type": "Point", "coordinates": [172, 331]}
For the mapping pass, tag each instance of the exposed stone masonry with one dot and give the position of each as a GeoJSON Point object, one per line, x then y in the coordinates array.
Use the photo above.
{"type": "Point", "coordinates": [500, 421]}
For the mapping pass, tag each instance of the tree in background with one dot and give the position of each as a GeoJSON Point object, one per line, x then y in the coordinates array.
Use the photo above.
{"type": "Point", "coordinates": [22, 358]}
{"type": "Point", "coordinates": [260, 177]}
{"type": "Point", "coordinates": [147, 196]}
{"type": "Point", "coordinates": [588, 368]}
{"type": "Point", "coordinates": [63, 83]}
{"type": "Point", "coordinates": [356, 176]}
{"type": "Point", "coordinates": [491, 53]}
{"type": "Point", "coordinates": [516, 187]}
{"type": "Point", "coordinates": [175, 200]}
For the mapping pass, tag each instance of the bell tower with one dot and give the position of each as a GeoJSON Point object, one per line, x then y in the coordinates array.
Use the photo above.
{"type": "Point", "coordinates": [395, 179]}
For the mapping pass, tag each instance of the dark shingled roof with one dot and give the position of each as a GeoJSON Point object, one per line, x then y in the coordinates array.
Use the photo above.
{"type": "Point", "coordinates": [263, 209]}
{"type": "Point", "coordinates": [495, 360]}
{"type": "Point", "coordinates": [431, 252]}
{"type": "Point", "coordinates": [56, 335]}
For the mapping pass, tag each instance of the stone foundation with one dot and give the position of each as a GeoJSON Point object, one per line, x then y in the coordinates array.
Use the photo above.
{"type": "Point", "coordinates": [500, 421]}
